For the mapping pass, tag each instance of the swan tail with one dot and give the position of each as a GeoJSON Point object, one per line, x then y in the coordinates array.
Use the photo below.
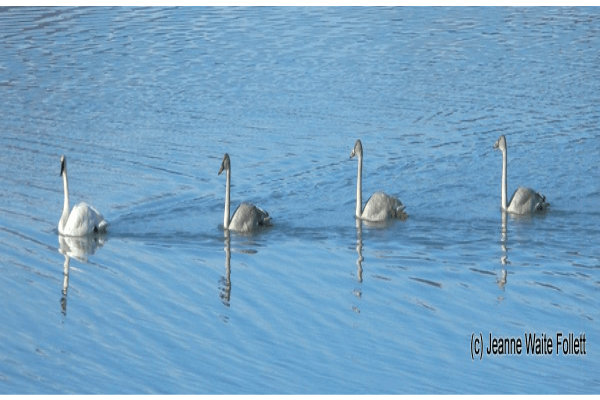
{"type": "Point", "coordinates": [541, 205]}
{"type": "Point", "coordinates": [265, 219]}
{"type": "Point", "coordinates": [102, 226]}
{"type": "Point", "coordinates": [399, 211]}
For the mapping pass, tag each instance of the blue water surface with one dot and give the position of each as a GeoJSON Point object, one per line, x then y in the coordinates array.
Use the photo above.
{"type": "Point", "coordinates": [144, 102]}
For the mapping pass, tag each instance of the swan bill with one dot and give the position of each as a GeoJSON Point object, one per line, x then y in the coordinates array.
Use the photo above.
{"type": "Point", "coordinates": [63, 165]}
{"type": "Point", "coordinates": [225, 164]}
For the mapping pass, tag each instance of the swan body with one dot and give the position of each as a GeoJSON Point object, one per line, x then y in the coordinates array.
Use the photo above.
{"type": "Point", "coordinates": [83, 219]}
{"type": "Point", "coordinates": [247, 217]}
{"type": "Point", "coordinates": [524, 200]}
{"type": "Point", "coordinates": [380, 206]}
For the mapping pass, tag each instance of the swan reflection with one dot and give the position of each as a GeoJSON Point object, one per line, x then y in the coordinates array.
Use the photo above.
{"type": "Point", "coordinates": [225, 289]}
{"type": "Point", "coordinates": [359, 240]}
{"type": "Point", "coordinates": [360, 258]}
{"type": "Point", "coordinates": [359, 270]}
{"type": "Point", "coordinates": [63, 299]}
{"type": "Point", "coordinates": [79, 248]}
{"type": "Point", "coordinates": [501, 281]}
{"type": "Point", "coordinates": [225, 280]}
{"type": "Point", "coordinates": [503, 240]}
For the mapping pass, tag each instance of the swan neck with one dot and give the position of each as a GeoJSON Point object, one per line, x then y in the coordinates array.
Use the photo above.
{"type": "Point", "coordinates": [504, 179]}
{"type": "Point", "coordinates": [359, 187]}
{"type": "Point", "coordinates": [227, 189]}
{"type": "Point", "coordinates": [65, 213]}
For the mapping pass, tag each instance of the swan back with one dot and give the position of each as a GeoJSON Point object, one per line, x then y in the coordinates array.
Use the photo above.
{"type": "Point", "coordinates": [381, 207]}
{"type": "Point", "coordinates": [84, 220]}
{"type": "Point", "coordinates": [525, 200]}
{"type": "Point", "coordinates": [248, 217]}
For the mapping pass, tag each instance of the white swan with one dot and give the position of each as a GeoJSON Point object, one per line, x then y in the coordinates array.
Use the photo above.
{"type": "Point", "coordinates": [83, 219]}
{"type": "Point", "coordinates": [524, 200]}
{"type": "Point", "coordinates": [380, 207]}
{"type": "Point", "coordinates": [247, 217]}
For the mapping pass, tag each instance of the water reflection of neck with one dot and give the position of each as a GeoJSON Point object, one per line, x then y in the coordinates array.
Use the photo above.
{"type": "Point", "coordinates": [504, 239]}
{"type": "Point", "coordinates": [359, 249]}
{"type": "Point", "coordinates": [63, 300]}
{"type": "Point", "coordinates": [504, 259]}
{"type": "Point", "coordinates": [226, 290]}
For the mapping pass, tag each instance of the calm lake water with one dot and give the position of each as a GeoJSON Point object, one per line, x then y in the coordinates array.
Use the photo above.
{"type": "Point", "coordinates": [144, 102]}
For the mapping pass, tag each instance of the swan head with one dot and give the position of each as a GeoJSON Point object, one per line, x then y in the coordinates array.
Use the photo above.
{"type": "Point", "coordinates": [357, 150]}
{"type": "Point", "coordinates": [225, 164]}
{"type": "Point", "coordinates": [63, 165]}
{"type": "Point", "coordinates": [500, 144]}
